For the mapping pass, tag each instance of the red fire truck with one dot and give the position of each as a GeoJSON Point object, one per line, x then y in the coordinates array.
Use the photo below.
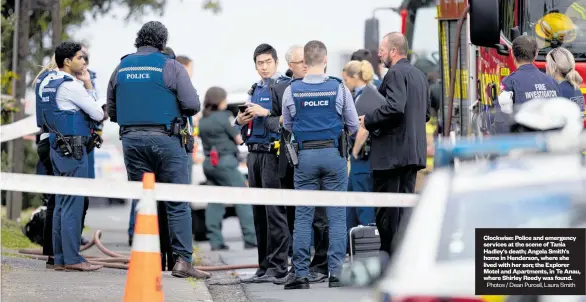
{"type": "Point", "coordinates": [475, 56]}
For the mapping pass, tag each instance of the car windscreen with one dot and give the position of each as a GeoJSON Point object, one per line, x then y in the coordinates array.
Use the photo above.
{"type": "Point", "coordinates": [555, 205]}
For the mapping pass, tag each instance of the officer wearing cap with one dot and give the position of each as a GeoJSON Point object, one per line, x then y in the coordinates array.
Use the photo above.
{"type": "Point", "coordinates": [260, 128]}
{"type": "Point", "coordinates": [317, 109]}
{"type": "Point", "coordinates": [149, 96]}
{"type": "Point", "coordinates": [526, 83]}
{"type": "Point", "coordinates": [67, 111]}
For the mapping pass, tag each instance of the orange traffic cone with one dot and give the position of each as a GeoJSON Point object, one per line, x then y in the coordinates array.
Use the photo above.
{"type": "Point", "coordinates": [144, 278]}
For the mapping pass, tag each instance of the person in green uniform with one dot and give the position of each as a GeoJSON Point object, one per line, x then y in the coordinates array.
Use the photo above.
{"type": "Point", "coordinates": [220, 144]}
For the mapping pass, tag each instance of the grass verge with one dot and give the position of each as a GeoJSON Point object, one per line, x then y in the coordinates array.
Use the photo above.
{"type": "Point", "coordinates": [12, 235]}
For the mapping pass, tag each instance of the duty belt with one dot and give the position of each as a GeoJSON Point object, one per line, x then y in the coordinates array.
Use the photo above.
{"type": "Point", "coordinates": [262, 148]}
{"type": "Point", "coordinates": [152, 129]}
{"type": "Point", "coordinates": [308, 145]}
{"type": "Point", "coordinates": [69, 139]}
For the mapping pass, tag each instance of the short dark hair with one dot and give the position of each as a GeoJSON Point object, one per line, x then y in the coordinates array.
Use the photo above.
{"type": "Point", "coordinates": [525, 48]}
{"type": "Point", "coordinates": [212, 100]}
{"type": "Point", "coordinates": [66, 50]}
{"type": "Point", "coordinates": [314, 52]}
{"type": "Point", "coordinates": [168, 50]}
{"type": "Point", "coordinates": [184, 60]}
{"type": "Point", "coordinates": [361, 55]}
{"type": "Point", "coordinates": [152, 33]}
{"type": "Point", "coordinates": [265, 49]}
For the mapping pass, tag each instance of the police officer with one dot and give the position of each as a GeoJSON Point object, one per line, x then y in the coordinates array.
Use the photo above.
{"type": "Point", "coordinates": [526, 83]}
{"type": "Point", "coordinates": [318, 269]}
{"type": "Point", "coordinates": [96, 127]}
{"type": "Point", "coordinates": [259, 126]}
{"type": "Point", "coordinates": [317, 109]}
{"type": "Point", "coordinates": [358, 76]}
{"type": "Point", "coordinates": [149, 96]}
{"type": "Point", "coordinates": [67, 111]}
{"type": "Point", "coordinates": [43, 151]}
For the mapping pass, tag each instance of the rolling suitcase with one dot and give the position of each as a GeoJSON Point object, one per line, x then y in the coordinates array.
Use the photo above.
{"type": "Point", "coordinates": [364, 242]}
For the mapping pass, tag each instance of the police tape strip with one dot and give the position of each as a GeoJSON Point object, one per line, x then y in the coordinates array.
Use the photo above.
{"type": "Point", "coordinates": [200, 194]}
{"type": "Point", "coordinates": [18, 129]}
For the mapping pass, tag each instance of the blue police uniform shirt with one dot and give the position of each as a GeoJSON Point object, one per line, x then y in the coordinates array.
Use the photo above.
{"type": "Point", "coordinates": [141, 94]}
{"type": "Point", "coordinates": [575, 95]}
{"type": "Point", "coordinates": [316, 117]}
{"type": "Point", "coordinates": [64, 122]}
{"type": "Point", "coordinates": [262, 95]}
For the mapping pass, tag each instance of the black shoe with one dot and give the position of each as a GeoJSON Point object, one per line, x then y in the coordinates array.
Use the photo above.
{"type": "Point", "coordinates": [248, 245]}
{"type": "Point", "coordinates": [288, 278]}
{"type": "Point", "coordinates": [334, 282]}
{"type": "Point", "coordinates": [259, 279]}
{"type": "Point", "coordinates": [130, 241]}
{"type": "Point", "coordinates": [50, 264]}
{"type": "Point", "coordinates": [84, 241]}
{"type": "Point", "coordinates": [298, 283]}
{"type": "Point", "coordinates": [222, 247]}
{"type": "Point", "coordinates": [315, 277]}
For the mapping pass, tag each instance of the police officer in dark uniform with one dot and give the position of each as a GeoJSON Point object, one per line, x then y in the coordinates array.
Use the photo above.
{"type": "Point", "coordinates": [46, 168]}
{"type": "Point", "coordinates": [526, 83]}
{"type": "Point", "coordinates": [149, 96]}
{"type": "Point", "coordinates": [317, 110]}
{"type": "Point", "coordinates": [260, 125]}
{"type": "Point", "coordinates": [67, 111]}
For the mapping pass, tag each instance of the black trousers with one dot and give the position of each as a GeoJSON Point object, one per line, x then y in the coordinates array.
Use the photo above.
{"type": "Point", "coordinates": [388, 220]}
{"type": "Point", "coordinates": [270, 222]}
{"type": "Point", "coordinates": [319, 263]}
{"type": "Point", "coordinates": [43, 150]}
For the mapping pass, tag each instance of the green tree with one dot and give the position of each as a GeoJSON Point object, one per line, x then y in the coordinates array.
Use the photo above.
{"type": "Point", "coordinates": [74, 14]}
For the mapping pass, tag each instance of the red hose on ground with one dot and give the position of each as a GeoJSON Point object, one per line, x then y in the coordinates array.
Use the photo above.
{"type": "Point", "coordinates": [120, 261]}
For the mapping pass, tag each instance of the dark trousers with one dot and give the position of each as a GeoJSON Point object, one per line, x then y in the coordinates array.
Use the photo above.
{"type": "Point", "coordinates": [68, 210]}
{"type": "Point", "coordinates": [399, 180]}
{"type": "Point", "coordinates": [319, 264]}
{"type": "Point", "coordinates": [44, 151]}
{"type": "Point", "coordinates": [164, 156]}
{"type": "Point", "coordinates": [270, 222]}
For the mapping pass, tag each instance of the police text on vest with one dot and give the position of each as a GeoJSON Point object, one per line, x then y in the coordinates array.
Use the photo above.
{"type": "Point", "coordinates": [540, 92]}
{"type": "Point", "coordinates": [138, 76]}
{"type": "Point", "coordinates": [316, 103]}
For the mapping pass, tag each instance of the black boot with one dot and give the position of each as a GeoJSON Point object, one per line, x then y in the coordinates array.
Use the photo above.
{"type": "Point", "coordinates": [298, 283]}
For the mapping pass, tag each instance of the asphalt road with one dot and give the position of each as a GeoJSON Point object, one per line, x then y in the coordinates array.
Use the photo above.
{"type": "Point", "coordinates": [28, 280]}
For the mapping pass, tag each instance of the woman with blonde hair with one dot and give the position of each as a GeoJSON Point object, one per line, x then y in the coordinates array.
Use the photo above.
{"type": "Point", "coordinates": [43, 150]}
{"type": "Point", "coordinates": [358, 76]}
{"type": "Point", "coordinates": [560, 65]}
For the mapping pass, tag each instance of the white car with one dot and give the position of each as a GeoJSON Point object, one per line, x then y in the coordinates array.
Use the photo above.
{"type": "Point", "coordinates": [434, 260]}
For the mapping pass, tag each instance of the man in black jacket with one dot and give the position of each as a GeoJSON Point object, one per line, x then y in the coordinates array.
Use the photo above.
{"type": "Point", "coordinates": [399, 146]}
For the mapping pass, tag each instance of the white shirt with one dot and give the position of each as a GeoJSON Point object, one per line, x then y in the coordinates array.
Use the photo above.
{"type": "Point", "coordinates": [72, 96]}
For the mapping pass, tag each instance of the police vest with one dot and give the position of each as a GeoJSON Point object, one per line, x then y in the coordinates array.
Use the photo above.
{"type": "Point", "coordinates": [528, 82]}
{"type": "Point", "coordinates": [64, 122]}
{"type": "Point", "coordinates": [38, 99]}
{"type": "Point", "coordinates": [263, 96]}
{"type": "Point", "coordinates": [142, 98]}
{"type": "Point", "coordinates": [316, 117]}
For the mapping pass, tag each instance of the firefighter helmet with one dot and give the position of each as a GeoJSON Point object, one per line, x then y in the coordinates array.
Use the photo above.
{"type": "Point", "coordinates": [556, 27]}
{"type": "Point", "coordinates": [549, 114]}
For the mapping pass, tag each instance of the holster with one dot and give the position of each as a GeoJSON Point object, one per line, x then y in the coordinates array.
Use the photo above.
{"type": "Point", "coordinates": [343, 144]}
{"type": "Point", "coordinates": [292, 152]}
{"type": "Point", "coordinates": [190, 143]}
{"type": "Point", "coordinates": [95, 141]}
{"type": "Point", "coordinates": [77, 145]}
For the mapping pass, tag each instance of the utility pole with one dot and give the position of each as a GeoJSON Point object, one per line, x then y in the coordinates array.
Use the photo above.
{"type": "Point", "coordinates": [15, 205]}
{"type": "Point", "coordinates": [56, 22]}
